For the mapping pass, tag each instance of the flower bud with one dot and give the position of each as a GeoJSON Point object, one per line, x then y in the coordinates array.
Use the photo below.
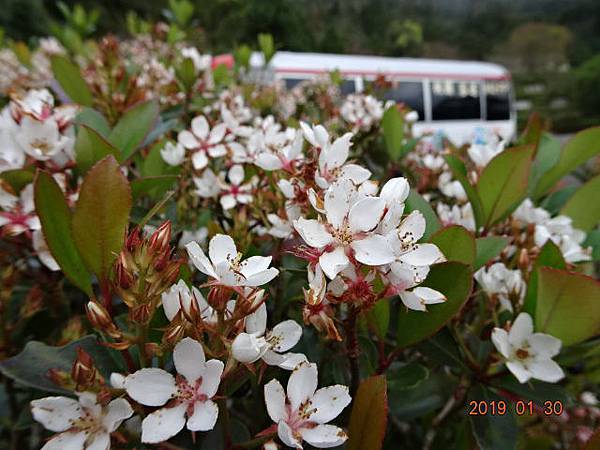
{"type": "Point", "coordinates": [174, 334]}
{"type": "Point", "coordinates": [98, 315]}
{"type": "Point", "coordinates": [159, 241]}
{"type": "Point", "coordinates": [83, 371]}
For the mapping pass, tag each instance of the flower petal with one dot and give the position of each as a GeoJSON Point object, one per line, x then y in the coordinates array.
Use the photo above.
{"type": "Point", "coordinates": [302, 384]}
{"type": "Point", "coordinates": [412, 227]}
{"type": "Point", "coordinates": [333, 262]}
{"type": "Point", "coordinates": [285, 335]}
{"type": "Point", "coordinates": [261, 278]}
{"type": "Point", "coordinates": [290, 360]}
{"type": "Point", "coordinates": [337, 202]}
{"type": "Point", "coordinates": [521, 330]}
{"type": "Point", "coordinates": [248, 348]}
{"type": "Point", "coordinates": [189, 359]}
{"type": "Point", "coordinates": [545, 345]}
{"type": "Point", "coordinates": [199, 160]}
{"type": "Point", "coordinates": [374, 250]}
{"type": "Point", "coordinates": [519, 371]}
{"type": "Point", "coordinates": [500, 341]}
{"type": "Point", "coordinates": [365, 214]}
{"type": "Point", "coordinates": [211, 378]}
{"type": "Point", "coordinates": [187, 139]}
{"type": "Point", "coordinates": [286, 435]}
{"type": "Point", "coordinates": [336, 154]}
{"type": "Point", "coordinates": [256, 323]}
{"type": "Point", "coordinates": [395, 191]}
{"type": "Point", "coordinates": [199, 259]}
{"type": "Point", "coordinates": [324, 436]}
{"type": "Point", "coordinates": [329, 403]}
{"type": "Point", "coordinates": [429, 296]}
{"type": "Point", "coordinates": [200, 127]}
{"type": "Point", "coordinates": [99, 441]}
{"type": "Point", "coordinates": [116, 412]}
{"type": "Point", "coordinates": [150, 386]}
{"type": "Point", "coordinates": [412, 301]}
{"type": "Point", "coordinates": [217, 133]}
{"type": "Point", "coordinates": [357, 174]}
{"type": "Point", "coordinates": [275, 400]}
{"type": "Point", "coordinates": [222, 249]}
{"type": "Point", "coordinates": [313, 232]}
{"type": "Point", "coordinates": [56, 413]}
{"type": "Point", "coordinates": [66, 441]}
{"type": "Point", "coordinates": [546, 370]}
{"type": "Point", "coordinates": [254, 265]}
{"type": "Point", "coordinates": [163, 424]}
{"type": "Point", "coordinates": [423, 255]}
{"type": "Point", "coordinates": [204, 417]}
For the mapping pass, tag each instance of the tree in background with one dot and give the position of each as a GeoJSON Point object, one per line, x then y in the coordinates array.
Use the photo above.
{"type": "Point", "coordinates": [587, 80]}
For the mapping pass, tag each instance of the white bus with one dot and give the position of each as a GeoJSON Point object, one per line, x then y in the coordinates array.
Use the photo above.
{"type": "Point", "coordinates": [457, 98]}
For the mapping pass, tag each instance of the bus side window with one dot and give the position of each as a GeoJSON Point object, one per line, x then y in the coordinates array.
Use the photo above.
{"type": "Point", "coordinates": [290, 83]}
{"type": "Point", "coordinates": [408, 92]}
{"type": "Point", "coordinates": [455, 100]}
{"type": "Point", "coordinates": [348, 86]}
{"type": "Point", "coordinates": [497, 98]}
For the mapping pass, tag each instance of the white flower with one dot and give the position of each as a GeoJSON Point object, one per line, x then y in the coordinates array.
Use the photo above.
{"type": "Point", "coordinates": [455, 214]}
{"type": "Point", "coordinates": [208, 185]}
{"type": "Point", "coordinates": [411, 116]}
{"type": "Point", "coordinates": [18, 215]}
{"type": "Point", "coordinates": [283, 228]}
{"type": "Point", "coordinates": [83, 424]}
{"type": "Point", "coordinates": [332, 157]}
{"type": "Point", "coordinates": [203, 141]}
{"type": "Point", "coordinates": [304, 414]}
{"type": "Point", "coordinates": [281, 156]}
{"type": "Point", "coordinates": [528, 354]}
{"type": "Point", "coordinates": [256, 343]}
{"type": "Point", "coordinates": [41, 140]}
{"type": "Point", "coordinates": [201, 62]}
{"type": "Point", "coordinates": [362, 111]}
{"type": "Point", "coordinates": [236, 192]}
{"type": "Point", "coordinates": [173, 154]}
{"type": "Point", "coordinates": [499, 280]}
{"type": "Point", "coordinates": [482, 152]}
{"type": "Point", "coordinates": [180, 296]}
{"type": "Point", "coordinates": [189, 394]}
{"type": "Point", "coordinates": [225, 264]}
{"type": "Point", "coordinates": [348, 231]}
{"type": "Point", "coordinates": [451, 188]}
{"type": "Point", "coordinates": [43, 253]}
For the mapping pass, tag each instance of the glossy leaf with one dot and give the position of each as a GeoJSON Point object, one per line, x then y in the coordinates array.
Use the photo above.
{"type": "Point", "coordinates": [30, 367]}
{"type": "Point", "coordinates": [568, 305]}
{"type": "Point", "coordinates": [549, 256]}
{"type": "Point", "coordinates": [493, 431]}
{"type": "Point", "coordinates": [593, 240]}
{"type": "Point", "coordinates": [488, 248]}
{"type": "Point", "coordinates": [459, 171]}
{"type": "Point", "coordinates": [153, 186]}
{"type": "Point", "coordinates": [546, 156]}
{"type": "Point", "coordinates": [537, 391]}
{"type": "Point", "coordinates": [378, 317]}
{"type": "Point", "coordinates": [583, 206]}
{"type": "Point", "coordinates": [502, 185]}
{"type": "Point", "coordinates": [454, 280]}
{"type": "Point", "coordinates": [583, 146]}
{"type": "Point", "coordinates": [456, 243]}
{"type": "Point", "coordinates": [91, 147]}
{"type": "Point", "coordinates": [69, 77]}
{"type": "Point", "coordinates": [393, 132]}
{"type": "Point", "coordinates": [132, 128]}
{"type": "Point", "coordinates": [416, 202]}
{"type": "Point", "coordinates": [402, 376]}
{"type": "Point", "coordinates": [55, 217]}
{"type": "Point", "coordinates": [94, 120]}
{"type": "Point", "coordinates": [17, 178]}
{"type": "Point", "coordinates": [369, 415]}
{"type": "Point", "coordinates": [101, 216]}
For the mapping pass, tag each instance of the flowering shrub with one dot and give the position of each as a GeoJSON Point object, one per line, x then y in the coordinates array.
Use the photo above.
{"type": "Point", "coordinates": [179, 240]}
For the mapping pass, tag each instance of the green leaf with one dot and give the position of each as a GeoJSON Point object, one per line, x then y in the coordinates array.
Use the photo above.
{"type": "Point", "coordinates": [454, 280]}
{"type": "Point", "coordinates": [132, 128]}
{"type": "Point", "coordinates": [186, 73]}
{"type": "Point", "coordinates": [152, 186]}
{"type": "Point", "coordinates": [568, 305]}
{"type": "Point", "coordinates": [488, 248]}
{"type": "Point", "coordinates": [546, 156]}
{"type": "Point", "coordinates": [101, 216]}
{"type": "Point", "coordinates": [459, 171]}
{"type": "Point", "coordinates": [593, 240]}
{"type": "Point", "coordinates": [583, 206]}
{"type": "Point", "coordinates": [583, 146]}
{"type": "Point", "coordinates": [534, 390]}
{"type": "Point", "coordinates": [549, 256]}
{"type": "Point", "coordinates": [93, 119]}
{"type": "Point", "coordinates": [17, 178]}
{"type": "Point", "coordinates": [379, 317]}
{"type": "Point", "coordinates": [442, 348]}
{"type": "Point", "coordinates": [30, 367]}
{"type": "Point", "coordinates": [493, 431]}
{"type": "Point", "coordinates": [554, 201]}
{"type": "Point", "coordinates": [91, 147]}
{"type": "Point", "coordinates": [69, 77]}
{"type": "Point", "coordinates": [502, 185]}
{"type": "Point", "coordinates": [402, 376]}
{"type": "Point", "coordinates": [456, 243]}
{"type": "Point", "coordinates": [55, 217]}
{"type": "Point", "coordinates": [429, 395]}
{"type": "Point", "coordinates": [369, 415]}
{"type": "Point", "coordinates": [415, 202]}
{"type": "Point", "coordinates": [393, 132]}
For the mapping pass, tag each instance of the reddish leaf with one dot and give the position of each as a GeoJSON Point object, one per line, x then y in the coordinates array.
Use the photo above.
{"type": "Point", "coordinates": [369, 415]}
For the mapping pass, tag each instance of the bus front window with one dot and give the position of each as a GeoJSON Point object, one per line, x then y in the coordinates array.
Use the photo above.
{"type": "Point", "coordinates": [497, 98]}
{"type": "Point", "coordinates": [455, 100]}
